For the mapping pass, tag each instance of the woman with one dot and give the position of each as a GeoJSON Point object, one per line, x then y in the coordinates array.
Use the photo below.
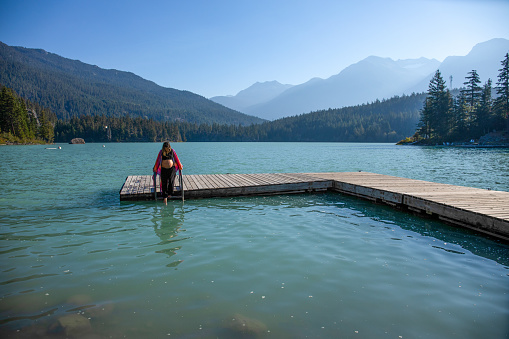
{"type": "Point", "coordinates": [167, 164]}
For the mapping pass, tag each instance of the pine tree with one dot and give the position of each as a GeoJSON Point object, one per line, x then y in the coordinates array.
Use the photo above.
{"type": "Point", "coordinates": [482, 121]}
{"type": "Point", "coordinates": [502, 101]}
{"type": "Point", "coordinates": [473, 95]}
{"type": "Point", "coordinates": [436, 116]}
{"type": "Point", "coordinates": [46, 130]}
{"type": "Point", "coordinates": [460, 117]}
{"type": "Point", "coordinates": [473, 90]}
{"type": "Point", "coordinates": [424, 126]}
{"type": "Point", "coordinates": [13, 115]}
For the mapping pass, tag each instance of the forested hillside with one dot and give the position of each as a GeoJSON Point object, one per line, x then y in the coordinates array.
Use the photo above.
{"type": "Point", "coordinates": [70, 88]}
{"type": "Point", "coordinates": [381, 121]}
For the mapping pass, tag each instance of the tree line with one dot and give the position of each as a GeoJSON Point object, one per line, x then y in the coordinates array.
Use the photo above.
{"type": "Point", "coordinates": [23, 121]}
{"type": "Point", "coordinates": [468, 115]}
{"type": "Point", "coordinates": [388, 120]}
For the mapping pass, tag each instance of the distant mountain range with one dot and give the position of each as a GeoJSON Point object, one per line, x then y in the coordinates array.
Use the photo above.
{"type": "Point", "coordinates": [71, 88]}
{"type": "Point", "coordinates": [255, 94]}
{"type": "Point", "coordinates": [366, 81]}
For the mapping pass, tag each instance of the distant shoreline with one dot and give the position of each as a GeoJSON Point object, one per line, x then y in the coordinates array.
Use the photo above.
{"type": "Point", "coordinates": [457, 146]}
{"type": "Point", "coordinates": [498, 139]}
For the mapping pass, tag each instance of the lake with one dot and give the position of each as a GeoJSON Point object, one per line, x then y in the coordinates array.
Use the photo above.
{"type": "Point", "coordinates": [77, 262]}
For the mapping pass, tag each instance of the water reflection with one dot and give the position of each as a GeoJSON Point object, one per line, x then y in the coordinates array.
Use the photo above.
{"type": "Point", "coordinates": [477, 243]}
{"type": "Point", "coordinates": [344, 206]}
{"type": "Point", "coordinates": [167, 222]}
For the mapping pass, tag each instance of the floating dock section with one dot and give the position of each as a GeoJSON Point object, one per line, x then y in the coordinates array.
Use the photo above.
{"type": "Point", "coordinates": [485, 211]}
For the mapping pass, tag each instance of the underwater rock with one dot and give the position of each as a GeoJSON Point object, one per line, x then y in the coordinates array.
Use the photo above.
{"type": "Point", "coordinates": [246, 326]}
{"type": "Point", "coordinates": [72, 325]}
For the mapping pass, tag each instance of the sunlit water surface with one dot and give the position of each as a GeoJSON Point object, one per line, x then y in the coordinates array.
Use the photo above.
{"type": "Point", "coordinates": [291, 266]}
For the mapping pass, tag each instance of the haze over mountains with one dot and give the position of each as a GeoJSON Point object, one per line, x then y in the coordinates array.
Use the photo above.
{"type": "Point", "coordinates": [366, 81]}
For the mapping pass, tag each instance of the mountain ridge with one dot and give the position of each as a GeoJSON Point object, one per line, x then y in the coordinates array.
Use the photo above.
{"type": "Point", "coordinates": [71, 88]}
{"type": "Point", "coordinates": [257, 93]}
{"type": "Point", "coordinates": [377, 78]}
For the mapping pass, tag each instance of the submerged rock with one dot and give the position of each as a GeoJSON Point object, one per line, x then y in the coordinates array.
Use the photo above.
{"type": "Point", "coordinates": [72, 325]}
{"type": "Point", "coordinates": [245, 326]}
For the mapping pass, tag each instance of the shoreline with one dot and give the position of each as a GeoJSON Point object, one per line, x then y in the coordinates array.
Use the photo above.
{"type": "Point", "coordinates": [457, 146]}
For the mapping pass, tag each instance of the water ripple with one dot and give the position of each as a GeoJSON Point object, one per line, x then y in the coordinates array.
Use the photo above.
{"type": "Point", "coordinates": [26, 278]}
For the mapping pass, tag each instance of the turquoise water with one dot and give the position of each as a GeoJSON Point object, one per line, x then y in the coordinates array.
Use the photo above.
{"type": "Point", "coordinates": [293, 266]}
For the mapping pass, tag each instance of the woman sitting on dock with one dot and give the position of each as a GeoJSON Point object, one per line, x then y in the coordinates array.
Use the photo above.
{"type": "Point", "coordinates": [167, 164]}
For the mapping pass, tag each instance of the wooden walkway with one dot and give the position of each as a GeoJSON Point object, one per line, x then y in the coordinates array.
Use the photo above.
{"type": "Point", "coordinates": [483, 210]}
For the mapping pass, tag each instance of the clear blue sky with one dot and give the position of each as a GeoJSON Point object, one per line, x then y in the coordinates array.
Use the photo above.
{"type": "Point", "coordinates": [215, 47]}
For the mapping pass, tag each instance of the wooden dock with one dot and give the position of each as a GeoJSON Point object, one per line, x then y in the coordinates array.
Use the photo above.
{"type": "Point", "coordinates": [482, 210]}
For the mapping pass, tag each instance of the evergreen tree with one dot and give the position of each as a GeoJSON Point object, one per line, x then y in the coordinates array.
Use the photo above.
{"type": "Point", "coordinates": [472, 94]}
{"type": "Point", "coordinates": [13, 115]}
{"type": "Point", "coordinates": [460, 117]}
{"type": "Point", "coordinates": [473, 89]}
{"type": "Point", "coordinates": [424, 126]}
{"type": "Point", "coordinates": [436, 115]}
{"type": "Point", "coordinates": [482, 121]}
{"type": "Point", "coordinates": [502, 101]}
{"type": "Point", "coordinates": [46, 130]}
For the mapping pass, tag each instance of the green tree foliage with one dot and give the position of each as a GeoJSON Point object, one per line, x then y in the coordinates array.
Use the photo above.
{"type": "Point", "coordinates": [473, 89]}
{"type": "Point", "coordinates": [437, 116]}
{"type": "Point", "coordinates": [483, 113]}
{"type": "Point", "coordinates": [469, 115]}
{"type": "Point", "coordinates": [501, 109]}
{"type": "Point", "coordinates": [460, 117]}
{"type": "Point", "coordinates": [20, 121]}
{"type": "Point", "coordinates": [472, 92]}
{"type": "Point", "coordinates": [115, 129]}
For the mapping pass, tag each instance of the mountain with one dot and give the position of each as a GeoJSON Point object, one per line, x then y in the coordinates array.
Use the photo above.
{"type": "Point", "coordinates": [71, 88]}
{"type": "Point", "coordinates": [370, 79]}
{"type": "Point", "coordinates": [255, 94]}
{"type": "Point", "coordinates": [378, 78]}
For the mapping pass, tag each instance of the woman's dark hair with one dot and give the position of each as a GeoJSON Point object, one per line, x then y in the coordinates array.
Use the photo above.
{"type": "Point", "coordinates": [166, 144]}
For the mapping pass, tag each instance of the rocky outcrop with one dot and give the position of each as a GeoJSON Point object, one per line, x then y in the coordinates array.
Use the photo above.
{"type": "Point", "coordinates": [77, 141]}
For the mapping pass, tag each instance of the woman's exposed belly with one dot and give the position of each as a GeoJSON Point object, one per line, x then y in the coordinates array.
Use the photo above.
{"type": "Point", "coordinates": [167, 163]}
